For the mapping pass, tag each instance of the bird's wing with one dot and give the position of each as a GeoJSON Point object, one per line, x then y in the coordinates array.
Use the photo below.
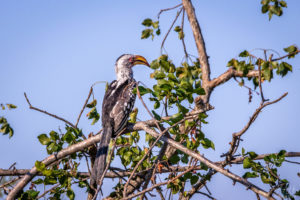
{"type": "Point", "coordinates": [123, 106]}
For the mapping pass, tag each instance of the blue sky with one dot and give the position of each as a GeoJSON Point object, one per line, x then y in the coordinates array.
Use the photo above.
{"type": "Point", "coordinates": [55, 50]}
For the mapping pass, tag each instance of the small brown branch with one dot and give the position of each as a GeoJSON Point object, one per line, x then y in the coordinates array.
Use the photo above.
{"type": "Point", "coordinates": [157, 185]}
{"type": "Point", "coordinates": [182, 40]}
{"type": "Point", "coordinates": [229, 74]}
{"type": "Point", "coordinates": [149, 151]}
{"type": "Point", "coordinates": [207, 195]}
{"type": "Point", "coordinates": [259, 84]}
{"type": "Point", "coordinates": [84, 105]}
{"type": "Point", "coordinates": [290, 54]}
{"type": "Point", "coordinates": [47, 191]}
{"type": "Point", "coordinates": [207, 162]}
{"type": "Point", "coordinates": [9, 182]}
{"type": "Point", "coordinates": [203, 58]}
{"type": "Point", "coordinates": [47, 113]}
{"type": "Point", "coordinates": [167, 9]}
{"type": "Point", "coordinates": [236, 136]}
{"type": "Point", "coordinates": [176, 17]}
{"type": "Point", "coordinates": [294, 162]}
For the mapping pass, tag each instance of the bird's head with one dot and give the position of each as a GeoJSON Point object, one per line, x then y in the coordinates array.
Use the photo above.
{"type": "Point", "coordinates": [125, 63]}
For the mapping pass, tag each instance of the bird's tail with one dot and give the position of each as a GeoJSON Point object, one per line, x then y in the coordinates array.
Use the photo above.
{"type": "Point", "coordinates": [100, 160]}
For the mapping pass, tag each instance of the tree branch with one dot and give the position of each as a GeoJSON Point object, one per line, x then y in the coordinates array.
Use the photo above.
{"type": "Point", "coordinates": [203, 58]}
{"type": "Point", "coordinates": [207, 162]}
{"type": "Point", "coordinates": [45, 112]}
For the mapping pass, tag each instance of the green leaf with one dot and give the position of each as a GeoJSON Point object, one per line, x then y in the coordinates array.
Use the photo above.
{"type": "Point", "coordinates": [283, 4]}
{"type": "Point", "coordinates": [181, 35]}
{"type": "Point", "coordinates": [250, 175]}
{"type": "Point", "coordinates": [155, 24]}
{"type": "Point", "coordinates": [154, 64]}
{"type": "Point", "coordinates": [206, 143]}
{"type": "Point", "coordinates": [291, 50]}
{"type": "Point", "coordinates": [244, 54]}
{"type": "Point", "coordinates": [247, 163]}
{"type": "Point", "coordinates": [147, 22]}
{"type": "Point", "coordinates": [174, 159]}
{"type": "Point", "coordinates": [159, 75]}
{"type": "Point", "coordinates": [39, 165]}
{"type": "Point", "coordinates": [177, 29]}
{"type": "Point", "coordinates": [30, 194]}
{"type": "Point", "coordinates": [92, 104]}
{"type": "Point", "coordinates": [199, 91]}
{"type": "Point", "coordinates": [156, 104]}
{"type": "Point", "coordinates": [146, 33]}
{"type": "Point", "coordinates": [165, 65]}
{"type": "Point", "coordinates": [297, 193]}
{"type": "Point", "coordinates": [176, 117]}
{"type": "Point", "coordinates": [252, 154]}
{"type": "Point", "coordinates": [157, 32]}
{"type": "Point", "coordinates": [194, 179]}
{"type": "Point", "coordinates": [44, 139]}
{"type": "Point", "coordinates": [68, 137]}
{"type": "Point", "coordinates": [71, 194]}
{"type": "Point", "coordinates": [156, 116]}
{"type": "Point", "coordinates": [38, 181]}
{"type": "Point", "coordinates": [54, 136]}
{"type": "Point", "coordinates": [143, 90]}
{"type": "Point", "coordinates": [11, 106]}
{"type": "Point", "coordinates": [265, 8]}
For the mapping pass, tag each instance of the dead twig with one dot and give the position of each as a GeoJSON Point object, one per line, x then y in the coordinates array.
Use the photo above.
{"type": "Point", "coordinates": [84, 105]}
{"type": "Point", "coordinates": [167, 9]}
{"type": "Point", "coordinates": [47, 113]}
{"type": "Point", "coordinates": [176, 17]}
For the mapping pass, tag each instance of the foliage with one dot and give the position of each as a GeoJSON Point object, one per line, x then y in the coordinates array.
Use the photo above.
{"type": "Point", "coordinates": [5, 128]}
{"type": "Point", "coordinates": [273, 7]}
{"type": "Point", "coordinates": [173, 95]}
{"type": "Point", "coordinates": [152, 27]}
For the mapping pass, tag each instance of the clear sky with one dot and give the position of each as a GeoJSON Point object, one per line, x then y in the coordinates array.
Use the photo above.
{"type": "Point", "coordinates": [55, 50]}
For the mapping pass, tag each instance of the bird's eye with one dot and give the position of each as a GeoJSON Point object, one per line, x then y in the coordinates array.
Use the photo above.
{"type": "Point", "coordinates": [131, 59]}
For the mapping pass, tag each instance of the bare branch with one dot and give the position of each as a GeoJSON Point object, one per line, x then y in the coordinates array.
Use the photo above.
{"type": "Point", "coordinates": [290, 54]}
{"type": "Point", "coordinates": [167, 9]}
{"type": "Point", "coordinates": [176, 17]}
{"type": "Point", "coordinates": [229, 74]}
{"type": "Point", "coordinates": [203, 58]}
{"type": "Point", "coordinates": [47, 113]}
{"type": "Point", "coordinates": [84, 105]}
{"type": "Point", "coordinates": [207, 162]}
{"type": "Point", "coordinates": [157, 185]}
{"type": "Point", "coordinates": [47, 191]}
{"type": "Point", "coordinates": [236, 136]}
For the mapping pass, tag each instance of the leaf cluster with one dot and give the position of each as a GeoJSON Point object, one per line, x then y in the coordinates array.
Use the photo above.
{"type": "Point", "coordinates": [267, 172]}
{"type": "Point", "coordinates": [151, 28]}
{"type": "Point", "coordinates": [273, 7]}
{"type": "Point", "coordinates": [248, 62]}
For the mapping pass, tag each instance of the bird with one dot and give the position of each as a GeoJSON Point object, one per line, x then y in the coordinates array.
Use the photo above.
{"type": "Point", "coordinates": [117, 104]}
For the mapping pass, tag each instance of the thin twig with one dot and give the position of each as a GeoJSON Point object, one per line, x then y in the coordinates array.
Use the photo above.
{"type": "Point", "coordinates": [176, 17]}
{"type": "Point", "coordinates": [207, 195]}
{"type": "Point", "coordinates": [290, 54]}
{"type": "Point", "coordinates": [47, 113]}
{"type": "Point", "coordinates": [182, 40]}
{"type": "Point", "coordinates": [294, 162]}
{"type": "Point", "coordinates": [47, 191]}
{"type": "Point", "coordinates": [84, 105]}
{"type": "Point", "coordinates": [140, 161]}
{"type": "Point", "coordinates": [157, 185]}
{"type": "Point", "coordinates": [236, 136]}
{"type": "Point", "coordinates": [167, 9]}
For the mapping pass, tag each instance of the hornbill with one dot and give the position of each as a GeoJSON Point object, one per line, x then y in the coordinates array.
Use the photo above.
{"type": "Point", "coordinates": [117, 105]}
